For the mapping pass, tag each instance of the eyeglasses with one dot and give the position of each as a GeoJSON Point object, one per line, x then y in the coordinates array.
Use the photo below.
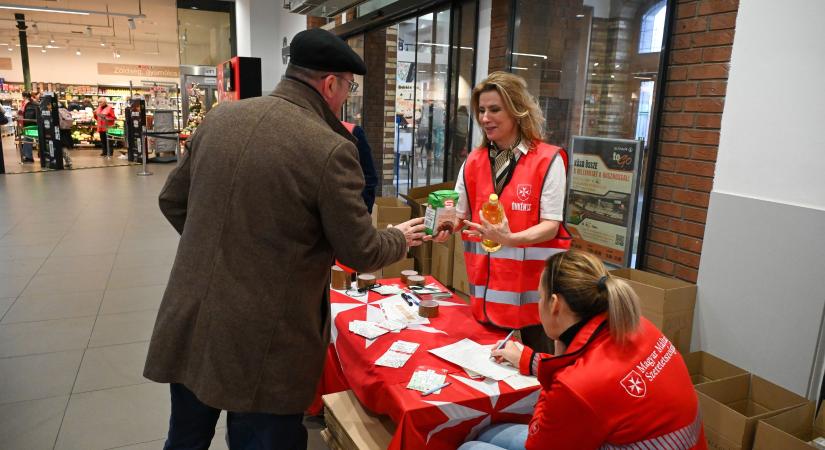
{"type": "Point", "coordinates": [353, 86]}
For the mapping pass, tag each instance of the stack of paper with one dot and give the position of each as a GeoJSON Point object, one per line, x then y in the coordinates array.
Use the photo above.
{"type": "Point", "coordinates": [424, 380]}
{"type": "Point", "coordinates": [397, 355]}
{"type": "Point", "coordinates": [369, 330]}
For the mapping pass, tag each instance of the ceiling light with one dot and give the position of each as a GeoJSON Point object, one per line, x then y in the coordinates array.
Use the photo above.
{"type": "Point", "coordinates": [51, 39]}
{"type": "Point", "coordinates": [11, 49]}
{"type": "Point", "coordinates": [579, 16]}
{"type": "Point", "coordinates": [44, 9]}
{"type": "Point", "coordinates": [34, 28]}
{"type": "Point", "coordinates": [519, 68]}
{"type": "Point", "coordinates": [593, 74]}
{"type": "Point", "coordinates": [595, 64]}
{"type": "Point", "coordinates": [131, 23]}
{"type": "Point", "coordinates": [77, 52]}
{"type": "Point", "coordinates": [102, 42]}
{"type": "Point", "coordinates": [42, 50]}
{"type": "Point", "coordinates": [88, 31]}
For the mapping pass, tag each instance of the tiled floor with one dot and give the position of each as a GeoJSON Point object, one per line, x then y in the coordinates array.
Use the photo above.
{"type": "Point", "coordinates": [84, 259]}
{"type": "Point", "coordinates": [82, 158]}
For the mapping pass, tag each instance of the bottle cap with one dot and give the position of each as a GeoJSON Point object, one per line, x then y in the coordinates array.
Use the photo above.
{"type": "Point", "coordinates": [493, 197]}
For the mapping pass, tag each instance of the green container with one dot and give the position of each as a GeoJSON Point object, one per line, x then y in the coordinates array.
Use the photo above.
{"type": "Point", "coordinates": [115, 132]}
{"type": "Point", "coordinates": [30, 131]}
{"type": "Point", "coordinates": [441, 214]}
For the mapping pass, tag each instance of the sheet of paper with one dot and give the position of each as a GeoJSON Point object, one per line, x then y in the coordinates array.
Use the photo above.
{"type": "Point", "coordinates": [396, 309]}
{"type": "Point", "coordinates": [389, 289]}
{"type": "Point", "coordinates": [392, 325]}
{"type": "Point", "coordinates": [521, 381]}
{"type": "Point", "coordinates": [476, 357]}
{"type": "Point", "coordinates": [404, 347]}
{"type": "Point", "coordinates": [393, 359]}
{"type": "Point", "coordinates": [369, 330]}
{"type": "Point", "coordinates": [424, 380]}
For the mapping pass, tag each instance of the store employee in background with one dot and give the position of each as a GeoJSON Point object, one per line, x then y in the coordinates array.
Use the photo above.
{"type": "Point", "coordinates": [594, 395]}
{"type": "Point", "coordinates": [529, 177]}
{"type": "Point", "coordinates": [269, 191]}
{"type": "Point", "coordinates": [105, 116]}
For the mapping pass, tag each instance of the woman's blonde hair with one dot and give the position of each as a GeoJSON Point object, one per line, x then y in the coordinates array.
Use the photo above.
{"type": "Point", "coordinates": [588, 289]}
{"type": "Point", "coordinates": [517, 101]}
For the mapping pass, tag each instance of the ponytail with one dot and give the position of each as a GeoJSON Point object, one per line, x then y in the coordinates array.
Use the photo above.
{"type": "Point", "coordinates": [588, 290]}
{"type": "Point", "coordinates": [622, 308]}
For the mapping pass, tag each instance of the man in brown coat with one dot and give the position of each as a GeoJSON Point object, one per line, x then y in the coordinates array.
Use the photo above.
{"type": "Point", "coordinates": [267, 196]}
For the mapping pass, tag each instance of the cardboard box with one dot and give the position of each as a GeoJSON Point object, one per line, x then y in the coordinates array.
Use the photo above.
{"type": "Point", "coordinates": [704, 367]}
{"type": "Point", "coordinates": [394, 269]}
{"type": "Point", "coordinates": [423, 256]}
{"type": "Point", "coordinates": [442, 261]}
{"type": "Point", "coordinates": [389, 210]}
{"type": "Point", "coordinates": [352, 427]}
{"type": "Point", "coordinates": [790, 430]}
{"type": "Point", "coordinates": [417, 197]}
{"type": "Point", "coordinates": [667, 302]}
{"type": "Point", "coordinates": [732, 407]}
{"type": "Point", "coordinates": [460, 282]}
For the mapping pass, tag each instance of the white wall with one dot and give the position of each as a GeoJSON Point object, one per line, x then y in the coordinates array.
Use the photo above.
{"type": "Point", "coordinates": [63, 66]}
{"type": "Point", "coordinates": [260, 26]}
{"type": "Point", "coordinates": [761, 300]}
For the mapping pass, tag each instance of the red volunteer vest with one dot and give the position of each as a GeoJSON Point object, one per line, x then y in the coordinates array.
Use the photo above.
{"type": "Point", "coordinates": [504, 284]}
{"type": "Point", "coordinates": [637, 395]}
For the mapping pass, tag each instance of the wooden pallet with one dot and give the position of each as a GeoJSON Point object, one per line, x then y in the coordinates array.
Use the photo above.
{"type": "Point", "coordinates": [351, 427]}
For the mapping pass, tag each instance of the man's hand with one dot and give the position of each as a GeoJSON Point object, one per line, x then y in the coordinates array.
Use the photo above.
{"type": "Point", "coordinates": [414, 231]}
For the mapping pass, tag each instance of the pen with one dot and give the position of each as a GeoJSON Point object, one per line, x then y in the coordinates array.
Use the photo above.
{"type": "Point", "coordinates": [504, 342]}
{"type": "Point", "coordinates": [430, 391]}
{"type": "Point", "coordinates": [409, 298]}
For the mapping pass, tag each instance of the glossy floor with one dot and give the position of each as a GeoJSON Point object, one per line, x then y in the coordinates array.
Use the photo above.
{"type": "Point", "coordinates": [84, 259]}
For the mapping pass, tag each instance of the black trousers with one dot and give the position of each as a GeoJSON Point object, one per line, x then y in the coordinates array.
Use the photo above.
{"type": "Point", "coordinates": [192, 427]}
{"type": "Point", "coordinates": [106, 150]}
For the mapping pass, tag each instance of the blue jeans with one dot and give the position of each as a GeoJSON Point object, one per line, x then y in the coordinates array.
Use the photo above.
{"type": "Point", "coordinates": [503, 436]}
{"type": "Point", "coordinates": [192, 427]}
{"type": "Point", "coordinates": [27, 147]}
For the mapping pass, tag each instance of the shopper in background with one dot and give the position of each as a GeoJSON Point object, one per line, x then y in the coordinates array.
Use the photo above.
{"type": "Point", "coordinates": [593, 392]}
{"type": "Point", "coordinates": [367, 166]}
{"type": "Point", "coordinates": [30, 107]}
{"type": "Point", "coordinates": [529, 177]}
{"type": "Point", "coordinates": [66, 122]}
{"type": "Point", "coordinates": [268, 192]}
{"type": "Point", "coordinates": [105, 116]}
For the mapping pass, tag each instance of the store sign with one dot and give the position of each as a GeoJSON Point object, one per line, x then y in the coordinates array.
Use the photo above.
{"type": "Point", "coordinates": [601, 199]}
{"type": "Point", "coordinates": [138, 70]}
{"type": "Point", "coordinates": [5, 63]}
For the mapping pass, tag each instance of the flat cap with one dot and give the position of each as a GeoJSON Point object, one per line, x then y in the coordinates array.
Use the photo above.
{"type": "Point", "coordinates": [319, 49]}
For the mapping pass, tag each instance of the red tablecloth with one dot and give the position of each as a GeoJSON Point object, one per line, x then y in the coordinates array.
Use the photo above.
{"type": "Point", "coordinates": [437, 421]}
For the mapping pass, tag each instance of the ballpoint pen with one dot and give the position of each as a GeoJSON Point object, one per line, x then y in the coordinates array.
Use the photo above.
{"type": "Point", "coordinates": [504, 342]}
{"type": "Point", "coordinates": [430, 391]}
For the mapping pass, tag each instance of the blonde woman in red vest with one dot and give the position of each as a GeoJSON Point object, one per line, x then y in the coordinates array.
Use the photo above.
{"type": "Point", "coordinates": [614, 382]}
{"type": "Point", "coordinates": [529, 177]}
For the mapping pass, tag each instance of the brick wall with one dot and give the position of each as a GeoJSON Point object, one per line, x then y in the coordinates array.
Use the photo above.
{"type": "Point", "coordinates": [688, 141]}
{"type": "Point", "coordinates": [315, 22]}
{"type": "Point", "coordinates": [499, 35]}
{"type": "Point", "coordinates": [379, 103]}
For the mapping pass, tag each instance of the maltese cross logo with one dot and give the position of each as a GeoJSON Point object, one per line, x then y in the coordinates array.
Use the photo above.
{"type": "Point", "coordinates": [523, 192]}
{"type": "Point", "coordinates": [634, 384]}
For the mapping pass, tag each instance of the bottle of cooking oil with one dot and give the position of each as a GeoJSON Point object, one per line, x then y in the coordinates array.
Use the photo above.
{"type": "Point", "coordinates": [493, 213]}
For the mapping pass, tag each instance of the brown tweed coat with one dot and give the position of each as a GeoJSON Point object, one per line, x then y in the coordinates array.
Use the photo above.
{"type": "Point", "coordinates": [268, 193]}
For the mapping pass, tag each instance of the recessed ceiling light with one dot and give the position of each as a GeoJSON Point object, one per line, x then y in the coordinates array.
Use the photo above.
{"type": "Point", "coordinates": [77, 52]}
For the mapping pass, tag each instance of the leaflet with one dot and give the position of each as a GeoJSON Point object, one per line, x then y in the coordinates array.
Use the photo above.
{"type": "Point", "coordinates": [369, 330]}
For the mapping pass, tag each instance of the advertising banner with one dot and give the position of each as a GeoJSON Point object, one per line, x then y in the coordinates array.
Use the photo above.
{"type": "Point", "coordinates": [602, 196]}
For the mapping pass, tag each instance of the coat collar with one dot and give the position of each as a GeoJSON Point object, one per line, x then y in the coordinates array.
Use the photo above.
{"type": "Point", "coordinates": [302, 94]}
{"type": "Point", "coordinates": [548, 367]}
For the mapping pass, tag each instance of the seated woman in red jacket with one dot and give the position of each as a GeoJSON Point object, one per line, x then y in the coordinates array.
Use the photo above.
{"type": "Point", "coordinates": [614, 381]}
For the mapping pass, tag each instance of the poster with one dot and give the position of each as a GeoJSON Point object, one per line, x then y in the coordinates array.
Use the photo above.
{"type": "Point", "coordinates": [601, 197]}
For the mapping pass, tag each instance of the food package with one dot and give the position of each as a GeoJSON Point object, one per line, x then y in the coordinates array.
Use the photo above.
{"type": "Point", "coordinates": [441, 214]}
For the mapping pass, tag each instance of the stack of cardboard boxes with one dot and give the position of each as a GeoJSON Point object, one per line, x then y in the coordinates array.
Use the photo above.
{"type": "Point", "coordinates": [389, 211]}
